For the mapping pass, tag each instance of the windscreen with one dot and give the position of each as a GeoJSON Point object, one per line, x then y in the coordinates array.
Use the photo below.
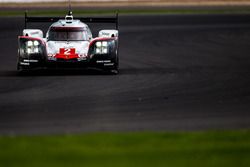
{"type": "Point", "coordinates": [67, 34]}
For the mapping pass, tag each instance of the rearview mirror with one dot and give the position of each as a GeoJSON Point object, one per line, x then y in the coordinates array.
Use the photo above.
{"type": "Point", "coordinates": [35, 33]}
{"type": "Point", "coordinates": [108, 33]}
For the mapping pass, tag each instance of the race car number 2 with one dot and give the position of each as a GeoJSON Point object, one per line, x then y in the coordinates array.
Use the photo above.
{"type": "Point", "coordinates": [67, 51]}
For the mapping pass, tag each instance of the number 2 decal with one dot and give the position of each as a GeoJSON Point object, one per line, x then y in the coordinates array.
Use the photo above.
{"type": "Point", "coordinates": [67, 51]}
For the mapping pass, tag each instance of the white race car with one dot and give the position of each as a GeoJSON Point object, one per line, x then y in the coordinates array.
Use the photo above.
{"type": "Point", "coordinates": [68, 44]}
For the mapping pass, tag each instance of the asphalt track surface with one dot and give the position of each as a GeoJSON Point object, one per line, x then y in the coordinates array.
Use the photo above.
{"type": "Point", "coordinates": [177, 72]}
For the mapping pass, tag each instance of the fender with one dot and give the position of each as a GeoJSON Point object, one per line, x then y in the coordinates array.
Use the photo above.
{"type": "Point", "coordinates": [109, 58]}
{"type": "Point", "coordinates": [31, 52]}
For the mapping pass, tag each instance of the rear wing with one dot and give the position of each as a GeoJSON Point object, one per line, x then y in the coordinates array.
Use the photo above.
{"type": "Point", "coordinates": [32, 19]}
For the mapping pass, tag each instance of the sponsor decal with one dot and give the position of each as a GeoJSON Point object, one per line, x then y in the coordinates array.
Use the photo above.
{"type": "Point", "coordinates": [105, 34]}
{"type": "Point", "coordinates": [103, 61]}
{"type": "Point", "coordinates": [108, 64]}
{"type": "Point", "coordinates": [25, 64]}
{"type": "Point", "coordinates": [31, 61]}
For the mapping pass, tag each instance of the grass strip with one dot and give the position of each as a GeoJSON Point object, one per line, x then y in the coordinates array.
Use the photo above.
{"type": "Point", "coordinates": [158, 149]}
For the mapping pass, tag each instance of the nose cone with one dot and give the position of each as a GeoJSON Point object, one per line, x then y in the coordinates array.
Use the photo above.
{"type": "Point", "coordinates": [78, 48]}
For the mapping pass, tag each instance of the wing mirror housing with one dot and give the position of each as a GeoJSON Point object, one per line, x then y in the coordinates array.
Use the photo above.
{"type": "Point", "coordinates": [35, 33]}
{"type": "Point", "coordinates": [108, 33]}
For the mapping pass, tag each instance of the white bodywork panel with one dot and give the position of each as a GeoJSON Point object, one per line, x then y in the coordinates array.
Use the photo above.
{"type": "Point", "coordinates": [35, 33]}
{"type": "Point", "coordinates": [108, 33]}
{"type": "Point", "coordinates": [81, 47]}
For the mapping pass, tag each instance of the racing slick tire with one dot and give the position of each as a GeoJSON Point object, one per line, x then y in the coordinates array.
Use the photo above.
{"type": "Point", "coordinates": [115, 69]}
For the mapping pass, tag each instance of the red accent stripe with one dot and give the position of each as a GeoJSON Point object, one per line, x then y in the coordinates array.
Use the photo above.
{"type": "Point", "coordinates": [31, 38]}
{"type": "Point", "coordinates": [66, 57]}
{"type": "Point", "coordinates": [67, 53]}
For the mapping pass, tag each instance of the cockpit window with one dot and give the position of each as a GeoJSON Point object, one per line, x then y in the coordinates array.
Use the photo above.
{"type": "Point", "coordinates": [67, 34]}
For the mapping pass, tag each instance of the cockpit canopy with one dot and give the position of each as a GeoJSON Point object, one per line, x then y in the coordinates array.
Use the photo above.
{"type": "Point", "coordinates": [68, 34]}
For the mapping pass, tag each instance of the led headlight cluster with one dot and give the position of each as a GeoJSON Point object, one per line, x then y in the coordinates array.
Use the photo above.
{"type": "Point", "coordinates": [32, 47]}
{"type": "Point", "coordinates": [101, 47]}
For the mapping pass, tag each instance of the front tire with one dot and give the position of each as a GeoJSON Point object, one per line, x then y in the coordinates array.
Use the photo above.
{"type": "Point", "coordinates": [115, 69]}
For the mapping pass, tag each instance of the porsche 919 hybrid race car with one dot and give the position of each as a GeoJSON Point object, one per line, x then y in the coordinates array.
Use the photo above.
{"type": "Point", "coordinates": [68, 44]}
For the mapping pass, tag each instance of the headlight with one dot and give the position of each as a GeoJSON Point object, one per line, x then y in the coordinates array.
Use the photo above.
{"type": "Point", "coordinates": [98, 51]}
{"type": "Point", "coordinates": [36, 43]}
{"type": "Point", "coordinates": [104, 43]}
{"type": "Point", "coordinates": [32, 47]}
{"type": "Point", "coordinates": [29, 43]}
{"type": "Point", "coordinates": [98, 44]}
{"type": "Point", "coordinates": [104, 50]}
{"type": "Point", "coordinates": [101, 47]}
{"type": "Point", "coordinates": [29, 51]}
